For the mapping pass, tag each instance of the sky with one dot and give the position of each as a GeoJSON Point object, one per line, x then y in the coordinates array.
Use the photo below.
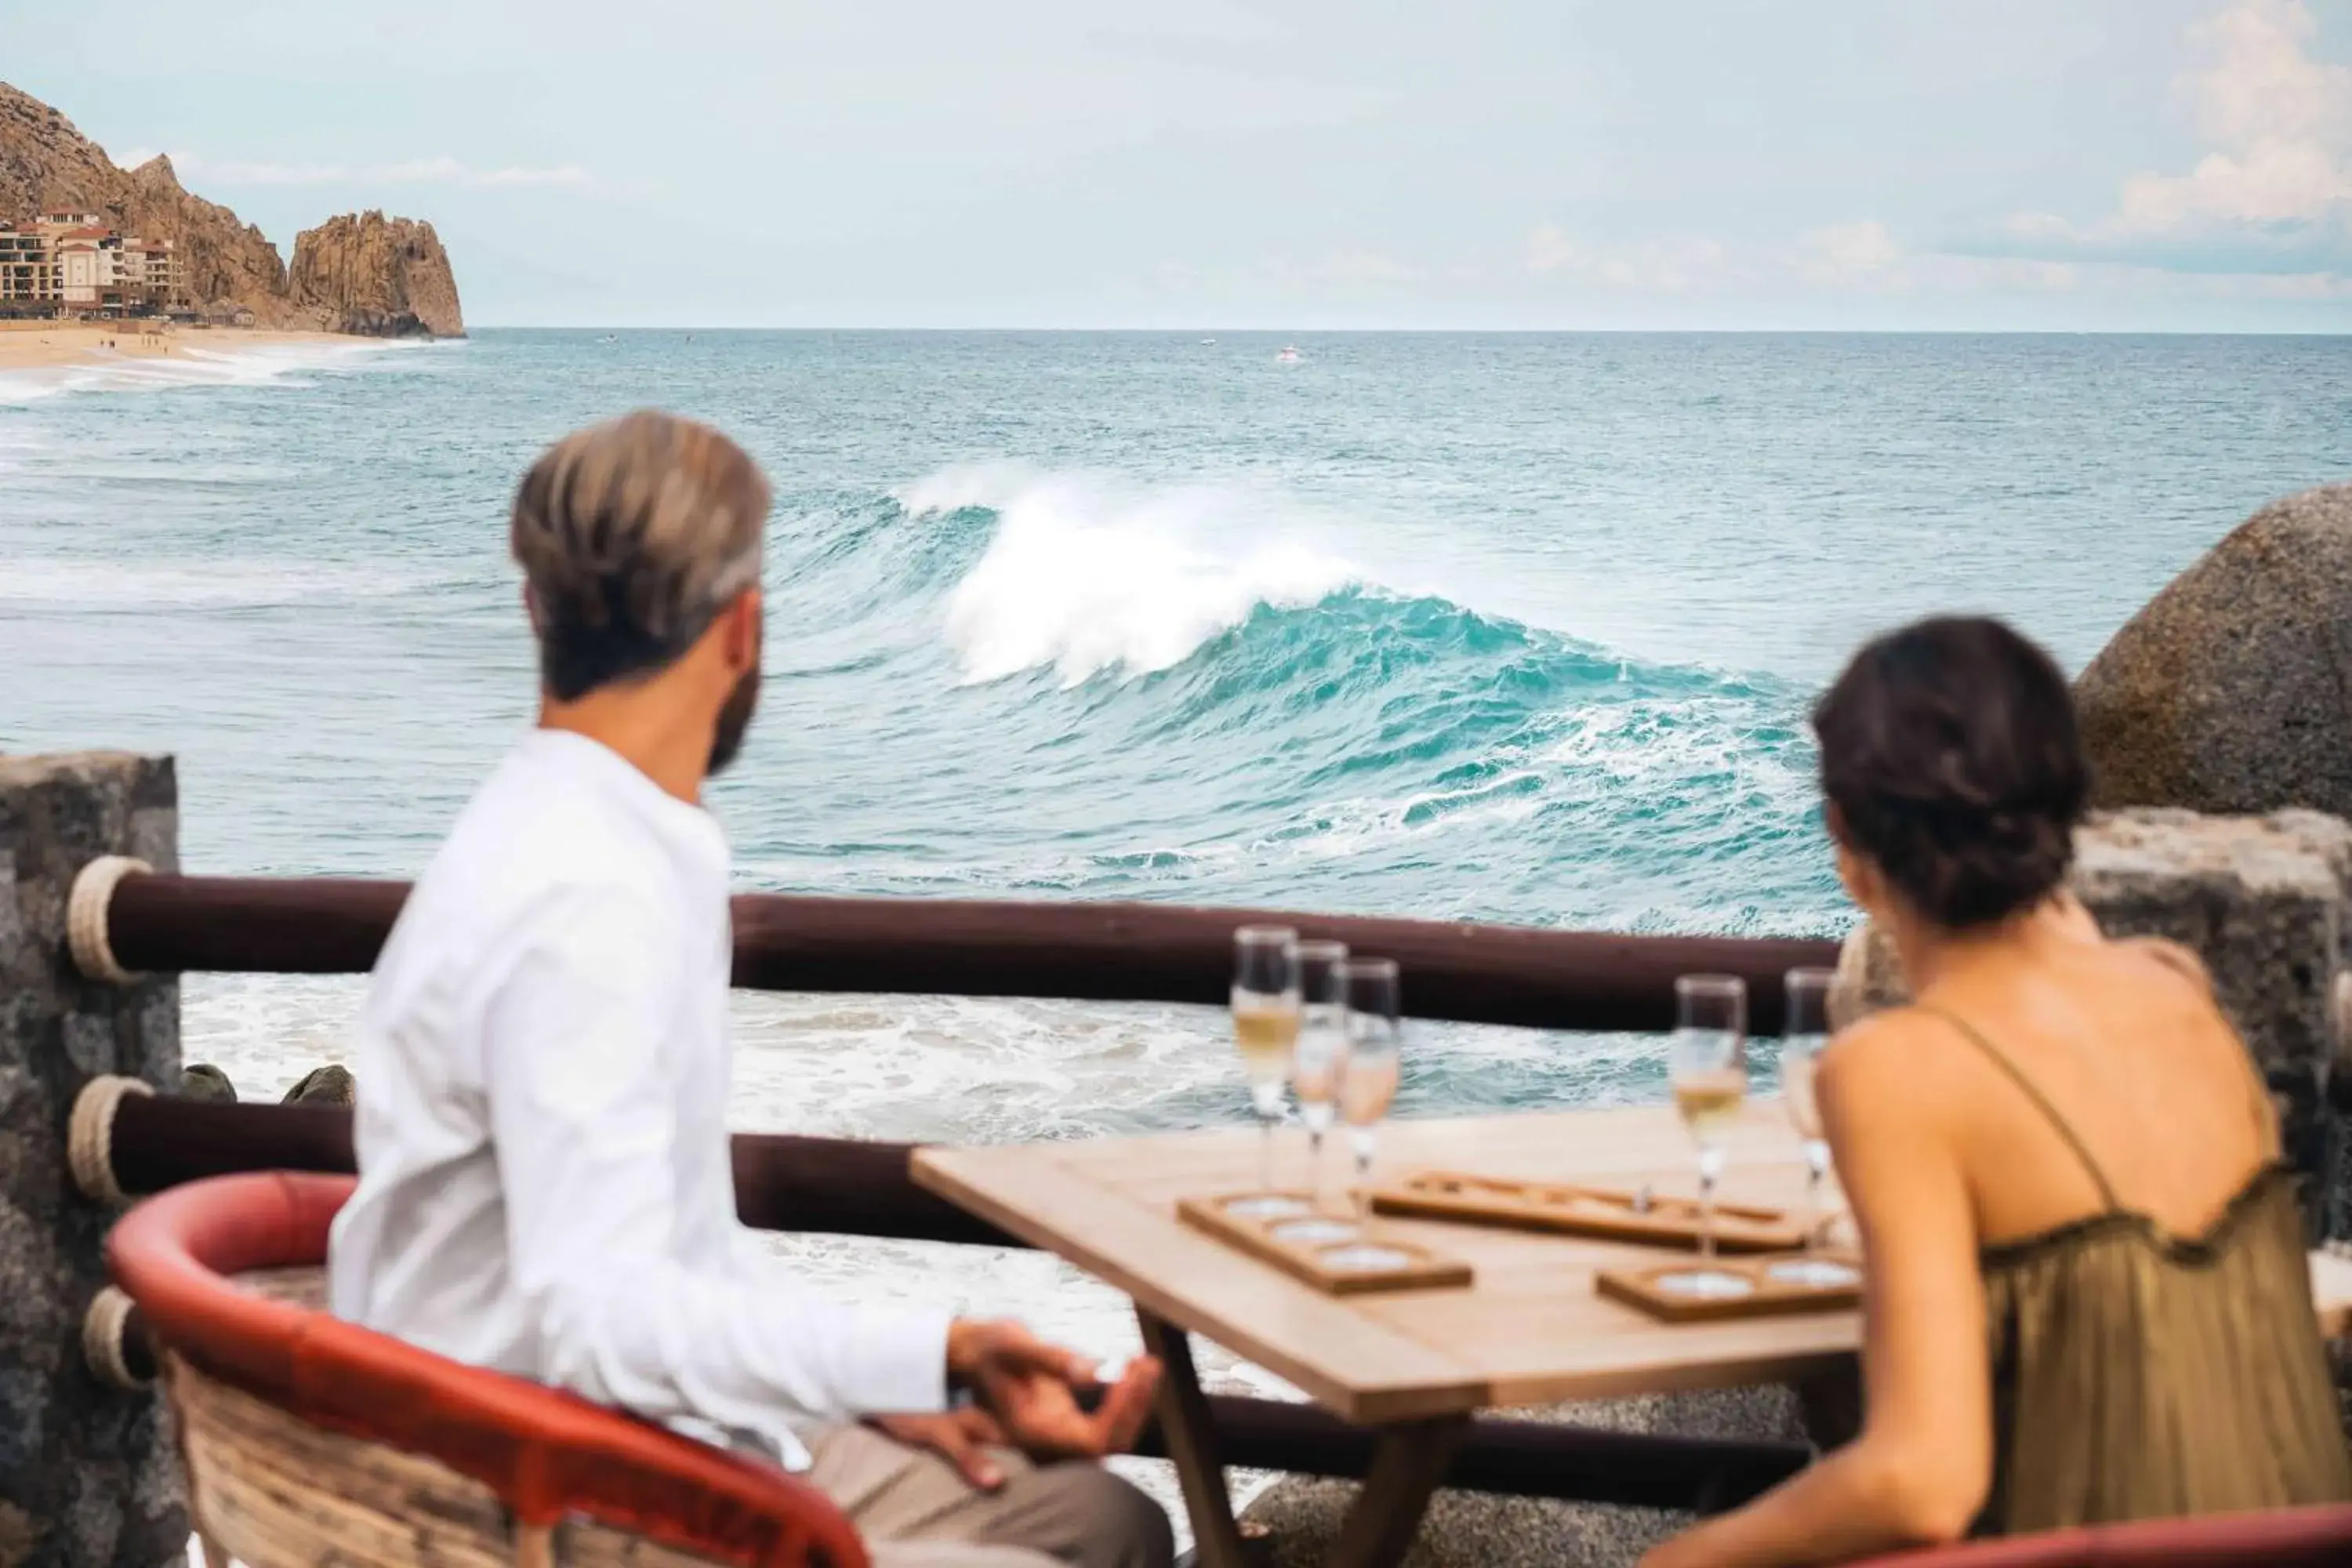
{"type": "Point", "coordinates": [1292, 166]}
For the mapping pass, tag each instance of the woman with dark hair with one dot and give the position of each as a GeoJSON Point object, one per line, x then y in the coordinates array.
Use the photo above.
{"type": "Point", "coordinates": [2087, 1296]}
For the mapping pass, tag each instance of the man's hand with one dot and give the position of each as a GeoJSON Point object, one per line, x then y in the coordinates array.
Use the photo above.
{"type": "Point", "coordinates": [1031, 1390]}
{"type": "Point", "coordinates": [960, 1437]}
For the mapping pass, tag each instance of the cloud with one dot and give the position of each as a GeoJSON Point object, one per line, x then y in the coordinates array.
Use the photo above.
{"type": "Point", "coordinates": [1866, 256]}
{"type": "Point", "coordinates": [1346, 271]}
{"type": "Point", "coordinates": [1676, 265]}
{"type": "Point", "coordinates": [2273, 194]}
{"type": "Point", "coordinates": [442, 171]}
{"type": "Point", "coordinates": [1354, 267]}
{"type": "Point", "coordinates": [1549, 250]}
{"type": "Point", "coordinates": [1847, 252]}
{"type": "Point", "coordinates": [2264, 212]}
{"type": "Point", "coordinates": [450, 171]}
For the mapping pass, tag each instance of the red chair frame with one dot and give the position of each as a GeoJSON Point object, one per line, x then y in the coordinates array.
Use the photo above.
{"type": "Point", "coordinates": [2282, 1537]}
{"type": "Point", "coordinates": [546, 1454]}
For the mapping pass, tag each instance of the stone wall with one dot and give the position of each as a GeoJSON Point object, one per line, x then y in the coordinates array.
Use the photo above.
{"type": "Point", "coordinates": [89, 1477]}
{"type": "Point", "coordinates": [2263, 900]}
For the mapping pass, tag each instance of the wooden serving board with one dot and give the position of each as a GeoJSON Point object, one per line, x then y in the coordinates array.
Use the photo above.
{"type": "Point", "coordinates": [1765, 1296]}
{"type": "Point", "coordinates": [1576, 1210]}
{"type": "Point", "coordinates": [1322, 1261]}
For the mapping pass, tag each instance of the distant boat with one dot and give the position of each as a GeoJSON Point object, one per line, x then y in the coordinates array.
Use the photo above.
{"type": "Point", "coordinates": [1288, 355]}
{"type": "Point", "coordinates": [1208, 340]}
{"type": "Point", "coordinates": [609, 338]}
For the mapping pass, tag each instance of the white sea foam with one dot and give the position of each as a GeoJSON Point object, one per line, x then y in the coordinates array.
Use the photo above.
{"type": "Point", "coordinates": [1644, 749]}
{"type": "Point", "coordinates": [67, 582]}
{"type": "Point", "coordinates": [16, 444]}
{"type": "Point", "coordinates": [247, 365]}
{"type": "Point", "coordinates": [1341, 830]}
{"type": "Point", "coordinates": [1086, 574]}
{"type": "Point", "coordinates": [26, 386]}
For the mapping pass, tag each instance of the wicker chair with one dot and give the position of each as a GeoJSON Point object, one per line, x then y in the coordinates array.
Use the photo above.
{"type": "Point", "coordinates": [308, 1441]}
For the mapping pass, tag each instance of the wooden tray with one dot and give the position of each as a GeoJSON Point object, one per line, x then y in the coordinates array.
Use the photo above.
{"type": "Point", "coordinates": [1321, 1262]}
{"type": "Point", "coordinates": [1576, 1210]}
{"type": "Point", "coordinates": [1765, 1296]}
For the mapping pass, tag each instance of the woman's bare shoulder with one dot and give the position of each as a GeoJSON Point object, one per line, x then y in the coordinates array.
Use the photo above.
{"type": "Point", "coordinates": [1893, 1088]}
{"type": "Point", "coordinates": [2178, 957]}
{"type": "Point", "coordinates": [1897, 1055]}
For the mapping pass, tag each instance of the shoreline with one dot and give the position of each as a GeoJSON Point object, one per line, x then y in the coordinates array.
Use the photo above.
{"type": "Point", "coordinates": [94, 345]}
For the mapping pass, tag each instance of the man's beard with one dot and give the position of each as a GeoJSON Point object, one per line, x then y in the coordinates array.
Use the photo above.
{"type": "Point", "coordinates": [734, 718]}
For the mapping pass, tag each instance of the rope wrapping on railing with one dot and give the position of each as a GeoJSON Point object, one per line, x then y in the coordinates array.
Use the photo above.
{"type": "Point", "coordinates": [110, 1345]}
{"type": "Point", "coordinates": [90, 1136]}
{"type": "Point", "coordinates": [88, 909]}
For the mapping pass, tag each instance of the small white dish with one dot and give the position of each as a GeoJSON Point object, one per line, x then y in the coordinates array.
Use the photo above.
{"type": "Point", "coordinates": [1705, 1284]}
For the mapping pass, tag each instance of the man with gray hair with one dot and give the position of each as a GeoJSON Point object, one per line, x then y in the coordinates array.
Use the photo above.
{"type": "Point", "coordinates": [544, 1178]}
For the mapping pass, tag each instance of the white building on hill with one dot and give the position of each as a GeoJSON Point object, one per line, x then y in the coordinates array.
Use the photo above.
{"type": "Point", "coordinates": [73, 262]}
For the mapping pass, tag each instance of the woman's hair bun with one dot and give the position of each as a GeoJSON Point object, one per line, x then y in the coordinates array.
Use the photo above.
{"type": "Point", "coordinates": [1950, 752]}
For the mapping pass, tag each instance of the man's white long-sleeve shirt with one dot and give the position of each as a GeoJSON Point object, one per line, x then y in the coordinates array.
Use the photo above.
{"type": "Point", "coordinates": [545, 1186]}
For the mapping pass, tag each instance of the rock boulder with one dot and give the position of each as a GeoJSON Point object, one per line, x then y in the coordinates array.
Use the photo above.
{"type": "Point", "coordinates": [384, 276]}
{"type": "Point", "coordinates": [204, 1082]}
{"type": "Point", "coordinates": [328, 1085]}
{"type": "Point", "coordinates": [2230, 692]}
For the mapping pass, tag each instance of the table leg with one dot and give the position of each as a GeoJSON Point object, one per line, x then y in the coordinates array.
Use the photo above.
{"type": "Point", "coordinates": [1192, 1440]}
{"type": "Point", "coordinates": [1406, 1468]}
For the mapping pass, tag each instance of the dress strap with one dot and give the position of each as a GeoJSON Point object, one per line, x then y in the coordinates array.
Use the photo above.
{"type": "Point", "coordinates": [2016, 1074]}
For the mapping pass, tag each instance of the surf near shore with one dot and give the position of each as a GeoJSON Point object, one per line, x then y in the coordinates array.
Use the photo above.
{"type": "Point", "coordinates": [72, 346]}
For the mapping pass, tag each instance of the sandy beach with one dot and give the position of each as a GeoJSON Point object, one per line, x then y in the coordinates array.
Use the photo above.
{"type": "Point", "coordinates": [49, 345]}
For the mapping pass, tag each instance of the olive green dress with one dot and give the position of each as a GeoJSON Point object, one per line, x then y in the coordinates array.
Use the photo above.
{"type": "Point", "coordinates": [2138, 1374]}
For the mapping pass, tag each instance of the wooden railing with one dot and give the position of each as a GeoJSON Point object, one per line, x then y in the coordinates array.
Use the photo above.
{"type": "Point", "coordinates": [1153, 952]}
{"type": "Point", "coordinates": [1528, 976]}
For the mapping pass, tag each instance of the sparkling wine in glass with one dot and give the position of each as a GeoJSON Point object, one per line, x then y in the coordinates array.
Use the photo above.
{"type": "Point", "coordinates": [1322, 1050]}
{"type": "Point", "coordinates": [1266, 1024]}
{"type": "Point", "coordinates": [1803, 1038]}
{"type": "Point", "coordinates": [1369, 1081]}
{"type": "Point", "coordinates": [1706, 1062]}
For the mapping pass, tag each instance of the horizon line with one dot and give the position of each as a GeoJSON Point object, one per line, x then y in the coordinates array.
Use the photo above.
{"type": "Point", "coordinates": [1473, 331]}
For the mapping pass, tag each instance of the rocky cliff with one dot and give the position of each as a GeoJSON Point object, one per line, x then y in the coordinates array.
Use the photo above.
{"type": "Point", "coordinates": [372, 274]}
{"type": "Point", "coordinates": [229, 268]}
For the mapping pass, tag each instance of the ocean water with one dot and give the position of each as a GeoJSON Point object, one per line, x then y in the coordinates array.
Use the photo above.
{"type": "Point", "coordinates": [1511, 627]}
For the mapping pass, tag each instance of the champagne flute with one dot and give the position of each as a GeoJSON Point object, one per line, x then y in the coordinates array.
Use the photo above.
{"type": "Point", "coordinates": [1368, 1082]}
{"type": "Point", "coordinates": [1322, 1050]}
{"type": "Point", "coordinates": [1707, 1064]}
{"type": "Point", "coordinates": [1266, 1025]}
{"type": "Point", "coordinates": [1803, 1038]}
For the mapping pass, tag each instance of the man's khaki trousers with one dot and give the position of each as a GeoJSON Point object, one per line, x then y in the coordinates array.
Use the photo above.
{"type": "Point", "coordinates": [916, 1511]}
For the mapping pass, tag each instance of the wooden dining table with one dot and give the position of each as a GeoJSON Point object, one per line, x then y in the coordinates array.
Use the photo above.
{"type": "Point", "coordinates": [1413, 1365]}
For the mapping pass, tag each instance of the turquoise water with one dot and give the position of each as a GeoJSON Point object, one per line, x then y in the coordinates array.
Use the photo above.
{"type": "Point", "coordinates": [1519, 628]}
